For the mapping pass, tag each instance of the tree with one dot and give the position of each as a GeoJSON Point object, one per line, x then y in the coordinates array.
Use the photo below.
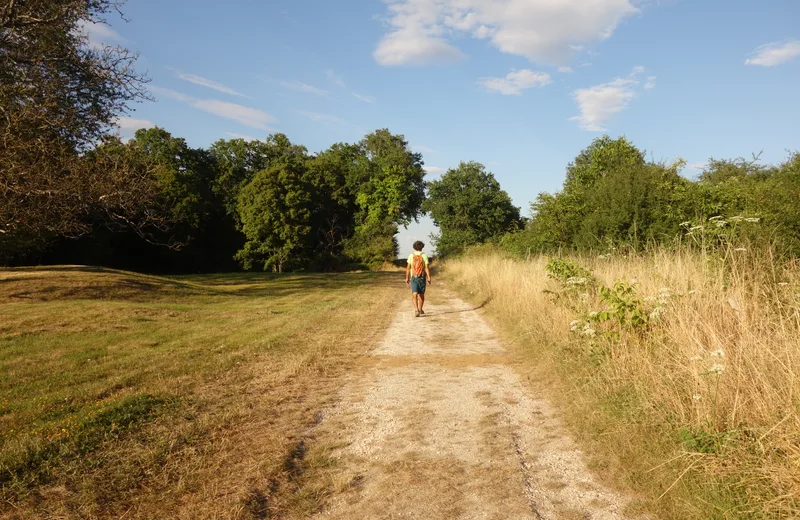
{"type": "Point", "coordinates": [335, 207]}
{"type": "Point", "coordinates": [559, 220]}
{"type": "Point", "coordinates": [387, 183]}
{"type": "Point", "coordinates": [634, 204]}
{"type": "Point", "coordinates": [275, 212]}
{"type": "Point", "coordinates": [469, 207]}
{"type": "Point", "coordinates": [59, 96]}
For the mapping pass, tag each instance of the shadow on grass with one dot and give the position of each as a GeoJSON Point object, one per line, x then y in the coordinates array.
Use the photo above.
{"type": "Point", "coordinates": [110, 284]}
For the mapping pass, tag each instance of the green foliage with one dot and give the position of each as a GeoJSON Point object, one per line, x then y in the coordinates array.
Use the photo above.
{"type": "Point", "coordinates": [625, 307]}
{"type": "Point", "coordinates": [705, 439]}
{"type": "Point", "coordinates": [565, 270]}
{"type": "Point", "coordinates": [613, 199]}
{"type": "Point", "coordinates": [268, 204]}
{"type": "Point", "coordinates": [275, 215]}
{"type": "Point", "coordinates": [469, 207]}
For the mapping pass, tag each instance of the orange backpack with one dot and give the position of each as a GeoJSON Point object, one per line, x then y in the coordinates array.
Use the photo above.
{"type": "Point", "coordinates": [417, 266]}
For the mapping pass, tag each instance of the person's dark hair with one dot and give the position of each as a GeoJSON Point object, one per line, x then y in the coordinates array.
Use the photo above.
{"type": "Point", "coordinates": [418, 245]}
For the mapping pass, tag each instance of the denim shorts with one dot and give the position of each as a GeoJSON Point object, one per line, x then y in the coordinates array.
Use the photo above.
{"type": "Point", "coordinates": [417, 285]}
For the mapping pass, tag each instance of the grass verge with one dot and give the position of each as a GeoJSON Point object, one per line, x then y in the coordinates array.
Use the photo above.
{"type": "Point", "coordinates": [677, 370]}
{"type": "Point", "coordinates": [183, 397]}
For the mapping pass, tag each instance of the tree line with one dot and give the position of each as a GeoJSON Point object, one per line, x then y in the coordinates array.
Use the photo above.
{"type": "Point", "coordinates": [614, 198]}
{"type": "Point", "coordinates": [73, 192]}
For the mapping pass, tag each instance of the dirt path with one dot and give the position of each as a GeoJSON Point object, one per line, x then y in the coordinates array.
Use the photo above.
{"type": "Point", "coordinates": [439, 425]}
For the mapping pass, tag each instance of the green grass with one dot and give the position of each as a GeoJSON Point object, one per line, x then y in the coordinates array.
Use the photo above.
{"type": "Point", "coordinates": [127, 392]}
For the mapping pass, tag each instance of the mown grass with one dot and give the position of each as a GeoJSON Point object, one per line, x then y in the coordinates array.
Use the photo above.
{"type": "Point", "coordinates": [182, 397]}
{"type": "Point", "coordinates": [685, 391]}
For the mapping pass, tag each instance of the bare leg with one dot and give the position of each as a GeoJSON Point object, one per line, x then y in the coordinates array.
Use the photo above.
{"type": "Point", "coordinates": [421, 301]}
{"type": "Point", "coordinates": [414, 300]}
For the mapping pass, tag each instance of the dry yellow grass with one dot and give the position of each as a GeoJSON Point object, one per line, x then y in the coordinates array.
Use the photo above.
{"type": "Point", "coordinates": [698, 410]}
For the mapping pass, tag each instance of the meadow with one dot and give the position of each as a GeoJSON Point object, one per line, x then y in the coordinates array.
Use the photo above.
{"type": "Point", "coordinates": [677, 369]}
{"type": "Point", "coordinates": [125, 394]}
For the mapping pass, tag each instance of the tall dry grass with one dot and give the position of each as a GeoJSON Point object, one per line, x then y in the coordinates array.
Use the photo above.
{"type": "Point", "coordinates": [698, 409]}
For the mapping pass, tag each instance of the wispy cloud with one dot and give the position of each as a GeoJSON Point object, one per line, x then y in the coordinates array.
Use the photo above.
{"type": "Point", "coordinates": [365, 99]}
{"type": "Point", "coordinates": [339, 81]}
{"type": "Point", "coordinates": [565, 70]}
{"type": "Point", "coordinates": [697, 165]}
{"type": "Point", "coordinates": [336, 78]}
{"type": "Point", "coordinates": [433, 170]}
{"type": "Point", "coordinates": [420, 148]}
{"type": "Point", "coordinates": [598, 104]}
{"type": "Point", "coordinates": [245, 115]}
{"type": "Point", "coordinates": [234, 135]}
{"type": "Point", "coordinates": [305, 88]}
{"type": "Point", "coordinates": [773, 54]}
{"type": "Point", "coordinates": [515, 82]}
{"type": "Point", "coordinates": [543, 31]}
{"type": "Point", "coordinates": [205, 82]}
{"type": "Point", "coordinates": [99, 34]}
{"type": "Point", "coordinates": [651, 82]}
{"type": "Point", "coordinates": [323, 118]}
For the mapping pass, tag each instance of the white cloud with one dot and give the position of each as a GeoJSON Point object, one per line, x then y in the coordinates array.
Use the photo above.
{"type": "Point", "coordinates": [776, 53]}
{"type": "Point", "coordinates": [598, 104]}
{"type": "Point", "coordinates": [234, 135]}
{"type": "Point", "coordinates": [565, 69]}
{"type": "Point", "coordinates": [99, 34]}
{"type": "Point", "coordinates": [336, 78]}
{"type": "Point", "coordinates": [515, 82]}
{"type": "Point", "coordinates": [307, 89]}
{"type": "Point", "coordinates": [433, 170]}
{"type": "Point", "coordinates": [544, 31]}
{"type": "Point", "coordinates": [697, 165]}
{"type": "Point", "coordinates": [421, 149]}
{"type": "Point", "coordinates": [323, 118]}
{"type": "Point", "coordinates": [247, 116]}
{"type": "Point", "coordinates": [205, 82]}
{"type": "Point", "coordinates": [365, 99]}
{"type": "Point", "coordinates": [131, 124]}
{"type": "Point", "coordinates": [651, 82]}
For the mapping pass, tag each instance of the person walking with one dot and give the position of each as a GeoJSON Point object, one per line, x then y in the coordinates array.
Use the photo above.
{"type": "Point", "coordinates": [418, 275]}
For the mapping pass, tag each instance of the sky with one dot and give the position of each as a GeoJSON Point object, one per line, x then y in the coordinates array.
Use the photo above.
{"type": "Point", "coordinates": [521, 86]}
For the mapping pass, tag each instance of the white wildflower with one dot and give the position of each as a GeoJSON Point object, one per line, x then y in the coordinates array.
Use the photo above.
{"type": "Point", "coordinates": [656, 313]}
{"type": "Point", "coordinates": [575, 325]}
{"type": "Point", "coordinates": [697, 397]}
{"type": "Point", "coordinates": [686, 224]}
{"type": "Point", "coordinates": [588, 331]}
{"type": "Point", "coordinates": [584, 297]}
{"type": "Point", "coordinates": [718, 353]}
{"type": "Point", "coordinates": [650, 298]}
{"type": "Point", "coordinates": [716, 368]}
{"type": "Point", "coordinates": [752, 219]}
{"type": "Point", "coordinates": [720, 223]}
{"type": "Point", "coordinates": [593, 314]}
{"type": "Point", "coordinates": [783, 284]}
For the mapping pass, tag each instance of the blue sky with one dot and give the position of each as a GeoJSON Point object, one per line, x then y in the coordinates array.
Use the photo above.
{"type": "Point", "coordinates": [519, 85]}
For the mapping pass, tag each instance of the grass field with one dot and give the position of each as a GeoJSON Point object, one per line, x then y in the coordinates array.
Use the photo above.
{"type": "Point", "coordinates": [127, 395]}
{"type": "Point", "coordinates": [685, 389]}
